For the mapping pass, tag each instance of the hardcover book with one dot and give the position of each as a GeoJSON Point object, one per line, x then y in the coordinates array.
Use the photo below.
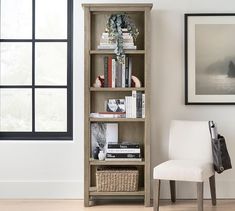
{"type": "Point", "coordinates": [102, 134]}
{"type": "Point", "coordinates": [123, 155]}
{"type": "Point", "coordinates": [122, 145]}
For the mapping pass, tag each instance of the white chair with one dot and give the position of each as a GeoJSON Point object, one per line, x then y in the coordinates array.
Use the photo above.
{"type": "Point", "coordinates": [190, 159]}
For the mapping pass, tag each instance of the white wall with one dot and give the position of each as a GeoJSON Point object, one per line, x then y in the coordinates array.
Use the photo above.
{"type": "Point", "coordinates": [55, 169]}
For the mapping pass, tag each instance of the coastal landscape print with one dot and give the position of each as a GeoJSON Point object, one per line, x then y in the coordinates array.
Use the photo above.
{"type": "Point", "coordinates": [215, 59]}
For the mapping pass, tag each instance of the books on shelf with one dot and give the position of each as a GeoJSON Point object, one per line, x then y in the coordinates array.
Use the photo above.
{"type": "Point", "coordinates": [123, 152]}
{"type": "Point", "coordinates": [107, 43]}
{"type": "Point", "coordinates": [117, 74]}
{"type": "Point", "coordinates": [135, 105]}
{"type": "Point", "coordinates": [131, 107]}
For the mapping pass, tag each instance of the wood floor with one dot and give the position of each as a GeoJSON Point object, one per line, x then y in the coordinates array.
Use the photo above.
{"type": "Point", "coordinates": [77, 205]}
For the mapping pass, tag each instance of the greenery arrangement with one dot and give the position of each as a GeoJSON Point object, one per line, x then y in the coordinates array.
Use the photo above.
{"type": "Point", "coordinates": [115, 24]}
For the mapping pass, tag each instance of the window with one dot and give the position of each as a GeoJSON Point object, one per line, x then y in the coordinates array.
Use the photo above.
{"type": "Point", "coordinates": [36, 69]}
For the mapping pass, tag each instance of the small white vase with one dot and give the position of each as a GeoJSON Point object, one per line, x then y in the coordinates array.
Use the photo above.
{"type": "Point", "coordinates": [101, 155]}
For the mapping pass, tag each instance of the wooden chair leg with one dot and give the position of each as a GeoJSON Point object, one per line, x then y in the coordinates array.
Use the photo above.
{"type": "Point", "coordinates": [172, 187]}
{"type": "Point", "coordinates": [200, 196]}
{"type": "Point", "coordinates": [156, 192]}
{"type": "Point", "coordinates": [213, 189]}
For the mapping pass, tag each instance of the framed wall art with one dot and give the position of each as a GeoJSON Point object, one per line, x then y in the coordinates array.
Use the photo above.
{"type": "Point", "coordinates": [209, 59]}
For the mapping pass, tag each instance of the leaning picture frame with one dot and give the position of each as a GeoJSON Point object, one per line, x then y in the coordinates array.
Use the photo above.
{"type": "Point", "coordinates": [209, 58]}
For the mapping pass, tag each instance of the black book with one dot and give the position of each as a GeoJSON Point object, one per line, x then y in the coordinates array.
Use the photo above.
{"type": "Point", "coordinates": [139, 104]}
{"type": "Point", "coordinates": [127, 71]}
{"type": "Point", "coordinates": [123, 146]}
{"type": "Point", "coordinates": [105, 71]}
{"type": "Point", "coordinates": [123, 155]}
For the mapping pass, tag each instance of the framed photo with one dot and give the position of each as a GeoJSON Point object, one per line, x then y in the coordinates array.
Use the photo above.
{"type": "Point", "coordinates": [209, 59]}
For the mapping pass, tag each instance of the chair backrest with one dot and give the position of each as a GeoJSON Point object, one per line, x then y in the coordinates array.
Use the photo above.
{"type": "Point", "coordinates": [190, 140]}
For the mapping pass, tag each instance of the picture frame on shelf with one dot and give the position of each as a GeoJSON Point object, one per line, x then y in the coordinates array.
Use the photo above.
{"type": "Point", "coordinates": [209, 58]}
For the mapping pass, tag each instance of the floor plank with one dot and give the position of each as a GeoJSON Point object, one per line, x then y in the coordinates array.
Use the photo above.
{"type": "Point", "coordinates": [77, 205]}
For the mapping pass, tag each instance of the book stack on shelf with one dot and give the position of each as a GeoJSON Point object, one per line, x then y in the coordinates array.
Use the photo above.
{"type": "Point", "coordinates": [107, 43]}
{"type": "Point", "coordinates": [131, 107]}
{"type": "Point", "coordinates": [123, 152]}
{"type": "Point", "coordinates": [117, 74]}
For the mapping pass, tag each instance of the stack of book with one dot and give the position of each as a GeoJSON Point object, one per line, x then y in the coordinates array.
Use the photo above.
{"type": "Point", "coordinates": [123, 152]}
{"type": "Point", "coordinates": [117, 74]}
{"type": "Point", "coordinates": [107, 43]}
{"type": "Point", "coordinates": [135, 105]}
{"type": "Point", "coordinates": [108, 115]}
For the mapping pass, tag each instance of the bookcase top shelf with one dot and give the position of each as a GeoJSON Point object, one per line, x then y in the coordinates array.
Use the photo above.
{"type": "Point", "coordinates": [117, 119]}
{"type": "Point", "coordinates": [112, 163]}
{"type": "Point", "coordinates": [93, 89]}
{"type": "Point", "coordinates": [117, 7]}
{"type": "Point", "coordinates": [112, 52]}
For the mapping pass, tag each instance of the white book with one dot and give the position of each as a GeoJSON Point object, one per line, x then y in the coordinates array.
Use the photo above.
{"type": "Point", "coordinates": [113, 73]}
{"type": "Point", "coordinates": [143, 105]}
{"type": "Point", "coordinates": [110, 46]}
{"type": "Point", "coordinates": [98, 115]}
{"type": "Point", "coordinates": [124, 73]}
{"type": "Point", "coordinates": [127, 150]}
{"type": "Point", "coordinates": [134, 104]}
{"type": "Point", "coordinates": [128, 100]}
{"type": "Point", "coordinates": [111, 132]}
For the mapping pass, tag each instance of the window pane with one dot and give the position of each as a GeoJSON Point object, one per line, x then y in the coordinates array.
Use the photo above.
{"type": "Point", "coordinates": [51, 19]}
{"type": "Point", "coordinates": [51, 110]}
{"type": "Point", "coordinates": [15, 110]}
{"type": "Point", "coordinates": [51, 64]}
{"type": "Point", "coordinates": [15, 63]}
{"type": "Point", "coordinates": [16, 19]}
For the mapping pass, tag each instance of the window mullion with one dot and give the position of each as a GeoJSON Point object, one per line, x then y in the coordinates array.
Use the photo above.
{"type": "Point", "coordinates": [33, 66]}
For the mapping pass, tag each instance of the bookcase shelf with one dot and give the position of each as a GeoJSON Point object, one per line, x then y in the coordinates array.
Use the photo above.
{"type": "Point", "coordinates": [117, 119]}
{"type": "Point", "coordinates": [116, 163]}
{"type": "Point", "coordinates": [133, 130]}
{"type": "Point", "coordinates": [93, 192]}
{"type": "Point", "coordinates": [104, 52]}
{"type": "Point", "coordinates": [93, 89]}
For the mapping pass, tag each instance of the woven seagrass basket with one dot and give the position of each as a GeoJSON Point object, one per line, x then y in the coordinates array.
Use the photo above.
{"type": "Point", "coordinates": [117, 180]}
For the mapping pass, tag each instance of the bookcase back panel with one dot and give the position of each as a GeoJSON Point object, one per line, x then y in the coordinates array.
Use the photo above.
{"type": "Point", "coordinates": [132, 132]}
{"type": "Point", "coordinates": [97, 67]}
{"type": "Point", "coordinates": [98, 26]}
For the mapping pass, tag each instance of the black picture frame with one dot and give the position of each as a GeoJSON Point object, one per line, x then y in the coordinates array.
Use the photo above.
{"type": "Point", "coordinates": [197, 93]}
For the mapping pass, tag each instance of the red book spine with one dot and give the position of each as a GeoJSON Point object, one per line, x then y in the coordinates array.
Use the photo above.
{"type": "Point", "coordinates": [110, 71]}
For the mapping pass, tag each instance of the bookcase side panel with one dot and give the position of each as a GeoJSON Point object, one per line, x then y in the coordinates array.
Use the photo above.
{"type": "Point", "coordinates": [147, 106]}
{"type": "Point", "coordinates": [86, 104]}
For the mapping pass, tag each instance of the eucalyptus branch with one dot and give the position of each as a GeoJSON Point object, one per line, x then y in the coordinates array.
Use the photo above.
{"type": "Point", "coordinates": [115, 24]}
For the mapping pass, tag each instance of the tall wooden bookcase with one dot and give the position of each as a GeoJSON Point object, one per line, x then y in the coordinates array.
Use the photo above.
{"type": "Point", "coordinates": [137, 129]}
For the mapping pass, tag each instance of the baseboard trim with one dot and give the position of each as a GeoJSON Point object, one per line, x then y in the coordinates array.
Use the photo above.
{"type": "Point", "coordinates": [41, 189]}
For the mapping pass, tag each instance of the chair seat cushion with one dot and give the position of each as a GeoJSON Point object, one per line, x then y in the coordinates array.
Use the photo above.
{"type": "Point", "coordinates": [183, 170]}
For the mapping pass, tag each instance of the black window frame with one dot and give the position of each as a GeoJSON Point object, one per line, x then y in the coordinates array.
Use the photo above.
{"type": "Point", "coordinates": [47, 135]}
